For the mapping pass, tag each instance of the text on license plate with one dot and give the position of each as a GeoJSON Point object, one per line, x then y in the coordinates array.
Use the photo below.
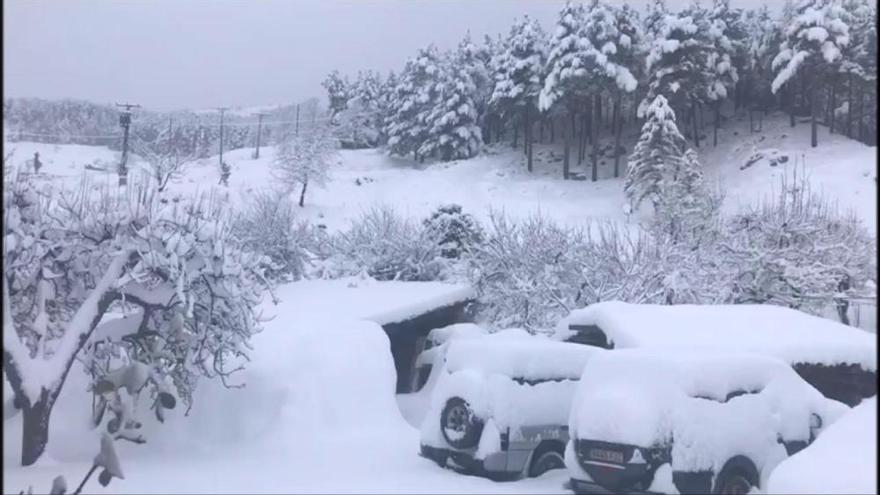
{"type": "Point", "coordinates": [606, 455]}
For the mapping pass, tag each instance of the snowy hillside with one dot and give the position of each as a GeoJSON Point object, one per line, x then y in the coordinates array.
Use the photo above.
{"type": "Point", "coordinates": [841, 168]}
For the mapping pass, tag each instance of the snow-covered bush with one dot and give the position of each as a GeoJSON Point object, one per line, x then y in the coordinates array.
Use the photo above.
{"type": "Point", "coordinates": [267, 224]}
{"type": "Point", "coordinates": [385, 246]}
{"type": "Point", "coordinates": [186, 286]}
{"type": "Point", "coordinates": [798, 250]}
{"type": "Point", "coordinates": [457, 232]}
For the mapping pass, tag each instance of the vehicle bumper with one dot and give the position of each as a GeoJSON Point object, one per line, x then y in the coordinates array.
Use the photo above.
{"type": "Point", "coordinates": [590, 487]}
{"type": "Point", "coordinates": [493, 466]}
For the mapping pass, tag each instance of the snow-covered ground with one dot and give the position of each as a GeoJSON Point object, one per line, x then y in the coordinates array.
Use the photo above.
{"type": "Point", "coordinates": [842, 460]}
{"type": "Point", "coordinates": [298, 425]}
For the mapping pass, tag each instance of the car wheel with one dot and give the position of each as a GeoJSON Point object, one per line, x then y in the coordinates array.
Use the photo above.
{"type": "Point", "coordinates": [460, 427]}
{"type": "Point", "coordinates": [544, 461]}
{"type": "Point", "coordinates": [736, 480]}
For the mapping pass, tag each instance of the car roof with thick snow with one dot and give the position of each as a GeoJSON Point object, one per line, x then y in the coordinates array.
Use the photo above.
{"type": "Point", "coordinates": [517, 354]}
{"type": "Point", "coordinates": [791, 335]}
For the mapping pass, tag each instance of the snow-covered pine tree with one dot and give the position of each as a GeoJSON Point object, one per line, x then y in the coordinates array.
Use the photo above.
{"type": "Point", "coordinates": [338, 89]}
{"type": "Point", "coordinates": [655, 14]}
{"type": "Point", "coordinates": [415, 97]}
{"type": "Point", "coordinates": [474, 60]}
{"type": "Point", "coordinates": [566, 74]}
{"type": "Point", "coordinates": [360, 121]}
{"type": "Point", "coordinates": [676, 63]}
{"type": "Point", "coordinates": [721, 74]}
{"type": "Point", "coordinates": [859, 66]}
{"type": "Point", "coordinates": [764, 38]}
{"type": "Point", "coordinates": [813, 46]}
{"type": "Point", "coordinates": [656, 156]}
{"type": "Point", "coordinates": [518, 83]}
{"type": "Point", "coordinates": [453, 132]}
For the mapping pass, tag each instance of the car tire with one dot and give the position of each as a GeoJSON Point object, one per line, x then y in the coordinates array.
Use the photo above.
{"type": "Point", "coordinates": [460, 427]}
{"type": "Point", "coordinates": [736, 479]}
{"type": "Point", "coordinates": [545, 459]}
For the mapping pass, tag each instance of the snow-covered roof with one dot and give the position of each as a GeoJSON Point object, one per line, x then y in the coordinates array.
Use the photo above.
{"type": "Point", "coordinates": [788, 334]}
{"type": "Point", "coordinates": [352, 298]}
{"type": "Point", "coordinates": [842, 460]}
{"type": "Point", "coordinates": [528, 356]}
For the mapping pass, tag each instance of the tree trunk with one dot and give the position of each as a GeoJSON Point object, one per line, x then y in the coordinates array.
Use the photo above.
{"type": "Point", "coordinates": [849, 102]}
{"type": "Point", "coordinates": [529, 143]}
{"type": "Point", "coordinates": [814, 140]}
{"type": "Point", "coordinates": [790, 98]}
{"type": "Point", "coordinates": [861, 114]}
{"type": "Point", "coordinates": [552, 131]}
{"type": "Point", "coordinates": [302, 194]}
{"type": "Point", "coordinates": [831, 104]}
{"type": "Point", "coordinates": [589, 121]}
{"type": "Point", "coordinates": [696, 131]}
{"type": "Point", "coordinates": [566, 157]}
{"type": "Point", "coordinates": [717, 123]}
{"type": "Point", "coordinates": [515, 136]}
{"type": "Point", "coordinates": [594, 137]}
{"type": "Point", "coordinates": [35, 434]}
{"type": "Point", "coordinates": [617, 125]}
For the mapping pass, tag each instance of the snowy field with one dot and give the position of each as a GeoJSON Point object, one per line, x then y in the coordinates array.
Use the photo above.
{"type": "Point", "coordinates": [843, 169]}
{"type": "Point", "coordinates": [298, 424]}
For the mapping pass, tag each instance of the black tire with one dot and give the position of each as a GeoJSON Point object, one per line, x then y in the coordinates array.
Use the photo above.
{"type": "Point", "coordinates": [457, 416]}
{"type": "Point", "coordinates": [546, 459]}
{"type": "Point", "coordinates": [736, 479]}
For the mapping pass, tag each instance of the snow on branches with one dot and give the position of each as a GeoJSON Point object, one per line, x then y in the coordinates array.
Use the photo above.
{"type": "Point", "coordinates": [74, 256]}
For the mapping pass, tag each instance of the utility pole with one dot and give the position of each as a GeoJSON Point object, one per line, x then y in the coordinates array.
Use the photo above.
{"type": "Point", "coordinates": [125, 122]}
{"type": "Point", "coordinates": [259, 130]}
{"type": "Point", "coordinates": [224, 170]}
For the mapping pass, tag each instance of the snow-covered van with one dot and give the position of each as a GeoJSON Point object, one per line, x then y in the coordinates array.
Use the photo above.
{"type": "Point", "coordinates": [839, 360]}
{"type": "Point", "coordinates": [676, 421]}
{"type": "Point", "coordinates": [499, 407]}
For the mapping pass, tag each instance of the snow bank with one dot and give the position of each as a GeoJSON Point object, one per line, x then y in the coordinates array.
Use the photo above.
{"type": "Point", "coordinates": [645, 398]}
{"type": "Point", "coordinates": [382, 302]}
{"type": "Point", "coordinates": [788, 334]}
{"type": "Point", "coordinates": [842, 460]}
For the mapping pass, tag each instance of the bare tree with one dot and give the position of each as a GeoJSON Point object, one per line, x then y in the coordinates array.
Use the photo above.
{"type": "Point", "coordinates": [304, 159]}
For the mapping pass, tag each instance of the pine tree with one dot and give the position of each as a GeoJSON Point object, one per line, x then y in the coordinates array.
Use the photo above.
{"type": "Point", "coordinates": [722, 76]}
{"type": "Point", "coordinates": [474, 60]}
{"type": "Point", "coordinates": [656, 13]}
{"type": "Point", "coordinates": [337, 92]}
{"type": "Point", "coordinates": [519, 74]}
{"type": "Point", "coordinates": [566, 73]}
{"type": "Point", "coordinates": [656, 155]}
{"type": "Point", "coordinates": [415, 96]}
{"type": "Point", "coordinates": [677, 65]}
{"type": "Point", "coordinates": [453, 132]}
{"type": "Point", "coordinates": [813, 45]}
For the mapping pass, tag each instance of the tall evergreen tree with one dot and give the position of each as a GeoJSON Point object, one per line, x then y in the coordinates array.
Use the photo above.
{"type": "Point", "coordinates": [415, 96]}
{"type": "Point", "coordinates": [453, 132]}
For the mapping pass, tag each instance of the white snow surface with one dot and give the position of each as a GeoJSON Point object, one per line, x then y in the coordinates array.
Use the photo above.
{"type": "Point", "coordinates": [533, 358]}
{"type": "Point", "coordinates": [646, 398]}
{"type": "Point", "coordinates": [843, 459]}
{"type": "Point", "coordinates": [382, 302]}
{"type": "Point", "coordinates": [788, 334]}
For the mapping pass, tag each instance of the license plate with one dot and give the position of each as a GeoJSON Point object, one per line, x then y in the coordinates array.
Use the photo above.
{"type": "Point", "coordinates": [606, 455]}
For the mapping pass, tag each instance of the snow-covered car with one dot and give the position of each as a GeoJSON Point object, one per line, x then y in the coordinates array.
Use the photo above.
{"type": "Point", "coordinates": [500, 405]}
{"type": "Point", "coordinates": [848, 446]}
{"type": "Point", "coordinates": [681, 421]}
{"type": "Point", "coordinates": [434, 348]}
{"type": "Point", "coordinates": [839, 360]}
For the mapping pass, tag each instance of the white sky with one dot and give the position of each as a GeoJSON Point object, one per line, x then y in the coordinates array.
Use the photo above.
{"type": "Point", "coordinates": [168, 54]}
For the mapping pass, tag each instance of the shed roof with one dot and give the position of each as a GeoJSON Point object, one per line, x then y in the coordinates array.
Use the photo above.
{"type": "Point", "coordinates": [788, 334]}
{"type": "Point", "coordinates": [383, 302]}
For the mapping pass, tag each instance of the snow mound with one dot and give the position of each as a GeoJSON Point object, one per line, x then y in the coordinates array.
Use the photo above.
{"type": "Point", "coordinates": [842, 460]}
{"type": "Point", "coordinates": [531, 358]}
{"type": "Point", "coordinates": [791, 335]}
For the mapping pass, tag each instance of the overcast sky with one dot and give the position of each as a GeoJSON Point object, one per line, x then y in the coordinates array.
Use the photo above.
{"type": "Point", "coordinates": [168, 54]}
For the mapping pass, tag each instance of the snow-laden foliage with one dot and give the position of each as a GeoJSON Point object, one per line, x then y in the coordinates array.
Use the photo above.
{"type": "Point", "coordinates": [475, 61]}
{"type": "Point", "coordinates": [186, 285]}
{"type": "Point", "coordinates": [383, 245]}
{"type": "Point", "coordinates": [657, 157]}
{"type": "Point", "coordinates": [453, 130]}
{"type": "Point", "coordinates": [267, 223]}
{"type": "Point", "coordinates": [654, 17]}
{"type": "Point", "coordinates": [798, 250]}
{"type": "Point", "coordinates": [414, 97]}
{"type": "Point", "coordinates": [762, 45]}
{"type": "Point", "coordinates": [676, 63]}
{"type": "Point", "coordinates": [165, 162]}
{"type": "Point", "coordinates": [519, 68]}
{"type": "Point", "coordinates": [815, 40]}
{"type": "Point", "coordinates": [457, 232]}
{"type": "Point", "coordinates": [565, 57]}
{"type": "Point", "coordinates": [303, 159]}
{"type": "Point", "coordinates": [360, 122]}
{"type": "Point", "coordinates": [338, 92]}
{"type": "Point", "coordinates": [719, 29]}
